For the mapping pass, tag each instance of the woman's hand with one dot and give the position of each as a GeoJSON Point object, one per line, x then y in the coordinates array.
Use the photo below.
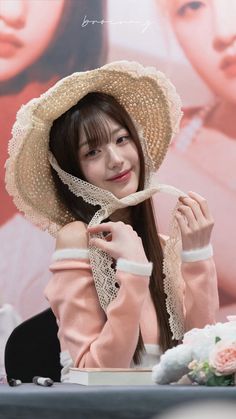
{"type": "Point", "coordinates": [121, 241]}
{"type": "Point", "coordinates": [195, 221]}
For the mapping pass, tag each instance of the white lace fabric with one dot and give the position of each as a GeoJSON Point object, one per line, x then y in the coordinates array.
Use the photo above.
{"type": "Point", "coordinates": [146, 94]}
{"type": "Point", "coordinates": [101, 263]}
{"type": "Point", "coordinates": [153, 104]}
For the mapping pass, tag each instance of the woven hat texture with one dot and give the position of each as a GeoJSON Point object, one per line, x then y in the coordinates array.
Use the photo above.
{"type": "Point", "coordinates": [146, 94]}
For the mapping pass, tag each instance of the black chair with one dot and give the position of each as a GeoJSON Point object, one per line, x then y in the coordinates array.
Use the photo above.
{"type": "Point", "coordinates": [33, 349]}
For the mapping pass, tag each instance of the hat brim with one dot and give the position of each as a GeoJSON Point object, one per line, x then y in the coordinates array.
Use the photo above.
{"type": "Point", "coordinates": [145, 93]}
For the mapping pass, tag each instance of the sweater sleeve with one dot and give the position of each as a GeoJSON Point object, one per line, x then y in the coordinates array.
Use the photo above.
{"type": "Point", "coordinates": [92, 338]}
{"type": "Point", "coordinates": [201, 301]}
{"type": "Point", "coordinates": [200, 296]}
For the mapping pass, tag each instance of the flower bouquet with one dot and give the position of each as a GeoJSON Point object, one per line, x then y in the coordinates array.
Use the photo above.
{"type": "Point", "coordinates": [206, 357]}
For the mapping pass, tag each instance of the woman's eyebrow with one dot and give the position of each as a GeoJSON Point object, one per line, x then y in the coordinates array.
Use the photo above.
{"type": "Point", "coordinates": [85, 142]}
{"type": "Point", "coordinates": [115, 130]}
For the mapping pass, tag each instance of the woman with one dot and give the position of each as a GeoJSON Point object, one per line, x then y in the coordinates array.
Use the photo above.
{"type": "Point", "coordinates": [40, 42]}
{"type": "Point", "coordinates": [104, 132]}
{"type": "Point", "coordinates": [206, 145]}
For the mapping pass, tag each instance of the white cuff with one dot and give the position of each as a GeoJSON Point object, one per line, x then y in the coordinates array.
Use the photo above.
{"type": "Point", "coordinates": [62, 254]}
{"type": "Point", "coordinates": [197, 254]}
{"type": "Point", "coordinates": [142, 269]}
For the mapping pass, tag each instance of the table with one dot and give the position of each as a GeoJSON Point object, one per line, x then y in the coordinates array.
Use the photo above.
{"type": "Point", "coordinates": [63, 401]}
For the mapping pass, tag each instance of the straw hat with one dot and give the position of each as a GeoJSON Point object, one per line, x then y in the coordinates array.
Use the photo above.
{"type": "Point", "coordinates": [146, 94]}
{"type": "Point", "coordinates": [154, 106]}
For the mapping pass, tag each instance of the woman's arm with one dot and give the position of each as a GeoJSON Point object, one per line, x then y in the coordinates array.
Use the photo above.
{"type": "Point", "coordinates": [92, 338]}
{"type": "Point", "coordinates": [201, 301]}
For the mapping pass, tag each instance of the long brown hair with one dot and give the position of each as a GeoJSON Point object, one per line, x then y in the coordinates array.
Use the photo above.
{"type": "Point", "coordinates": [89, 115]}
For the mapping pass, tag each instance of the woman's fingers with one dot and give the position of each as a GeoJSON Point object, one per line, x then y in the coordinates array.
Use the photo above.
{"type": "Point", "coordinates": [195, 221]}
{"type": "Point", "coordinates": [202, 203]}
{"type": "Point", "coordinates": [188, 216]}
{"type": "Point", "coordinates": [192, 208]}
{"type": "Point", "coordinates": [120, 241]}
{"type": "Point", "coordinates": [100, 243]}
{"type": "Point", "coordinates": [100, 228]}
{"type": "Point", "coordinates": [182, 222]}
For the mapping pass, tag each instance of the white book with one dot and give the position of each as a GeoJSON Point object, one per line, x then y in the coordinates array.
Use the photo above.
{"type": "Point", "coordinates": [111, 376]}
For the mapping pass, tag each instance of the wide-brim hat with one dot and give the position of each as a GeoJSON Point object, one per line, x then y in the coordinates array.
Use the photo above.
{"type": "Point", "coordinates": [146, 94]}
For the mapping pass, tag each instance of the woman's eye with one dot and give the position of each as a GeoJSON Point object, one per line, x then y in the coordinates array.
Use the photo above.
{"type": "Point", "coordinates": [123, 139]}
{"type": "Point", "coordinates": [190, 7]}
{"type": "Point", "coordinates": [92, 153]}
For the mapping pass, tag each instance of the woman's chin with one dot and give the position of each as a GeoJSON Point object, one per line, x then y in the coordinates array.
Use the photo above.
{"type": "Point", "coordinates": [122, 193]}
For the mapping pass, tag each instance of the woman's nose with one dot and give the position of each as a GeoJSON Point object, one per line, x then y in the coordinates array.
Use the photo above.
{"type": "Point", "coordinates": [224, 23]}
{"type": "Point", "coordinates": [13, 12]}
{"type": "Point", "coordinates": [114, 155]}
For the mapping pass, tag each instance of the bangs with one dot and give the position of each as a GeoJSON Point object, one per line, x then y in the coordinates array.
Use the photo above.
{"type": "Point", "coordinates": [95, 111]}
{"type": "Point", "coordinates": [94, 124]}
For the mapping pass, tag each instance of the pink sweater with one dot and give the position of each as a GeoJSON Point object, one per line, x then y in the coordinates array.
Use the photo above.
{"type": "Point", "coordinates": [96, 341]}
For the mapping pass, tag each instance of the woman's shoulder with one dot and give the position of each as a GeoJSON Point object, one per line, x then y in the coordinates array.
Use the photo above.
{"type": "Point", "coordinates": [72, 235]}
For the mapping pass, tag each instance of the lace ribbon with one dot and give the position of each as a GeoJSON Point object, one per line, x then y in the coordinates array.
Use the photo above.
{"type": "Point", "coordinates": [101, 263]}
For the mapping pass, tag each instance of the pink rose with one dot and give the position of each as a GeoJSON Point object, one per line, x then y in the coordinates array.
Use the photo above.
{"type": "Point", "coordinates": [223, 357]}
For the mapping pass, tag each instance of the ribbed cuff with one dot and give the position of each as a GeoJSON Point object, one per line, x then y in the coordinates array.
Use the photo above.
{"type": "Point", "coordinates": [197, 254]}
{"type": "Point", "coordinates": [62, 254]}
{"type": "Point", "coordinates": [142, 269]}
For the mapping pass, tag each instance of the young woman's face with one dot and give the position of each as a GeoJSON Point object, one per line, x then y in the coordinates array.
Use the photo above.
{"type": "Point", "coordinates": [207, 32]}
{"type": "Point", "coordinates": [26, 29]}
{"type": "Point", "coordinates": [113, 166]}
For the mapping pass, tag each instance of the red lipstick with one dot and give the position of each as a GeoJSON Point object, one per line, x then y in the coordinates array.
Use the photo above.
{"type": "Point", "coordinates": [121, 177]}
{"type": "Point", "coordinates": [9, 43]}
{"type": "Point", "coordinates": [228, 65]}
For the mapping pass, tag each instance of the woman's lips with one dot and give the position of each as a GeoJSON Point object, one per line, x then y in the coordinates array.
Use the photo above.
{"type": "Point", "coordinates": [9, 44]}
{"type": "Point", "coordinates": [121, 177]}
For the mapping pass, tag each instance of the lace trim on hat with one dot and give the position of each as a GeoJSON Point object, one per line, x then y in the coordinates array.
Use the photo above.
{"type": "Point", "coordinates": [147, 95]}
{"type": "Point", "coordinates": [150, 99]}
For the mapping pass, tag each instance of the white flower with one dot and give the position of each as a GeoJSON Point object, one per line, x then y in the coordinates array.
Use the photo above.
{"type": "Point", "coordinates": [197, 345]}
{"type": "Point", "coordinates": [173, 365]}
{"type": "Point", "coordinates": [203, 340]}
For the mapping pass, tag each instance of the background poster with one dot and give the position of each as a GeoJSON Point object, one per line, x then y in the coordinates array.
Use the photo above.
{"type": "Point", "coordinates": [193, 42]}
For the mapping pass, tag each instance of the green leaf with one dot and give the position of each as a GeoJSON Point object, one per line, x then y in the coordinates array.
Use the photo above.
{"type": "Point", "coordinates": [217, 339]}
{"type": "Point", "coordinates": [220, 380]}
